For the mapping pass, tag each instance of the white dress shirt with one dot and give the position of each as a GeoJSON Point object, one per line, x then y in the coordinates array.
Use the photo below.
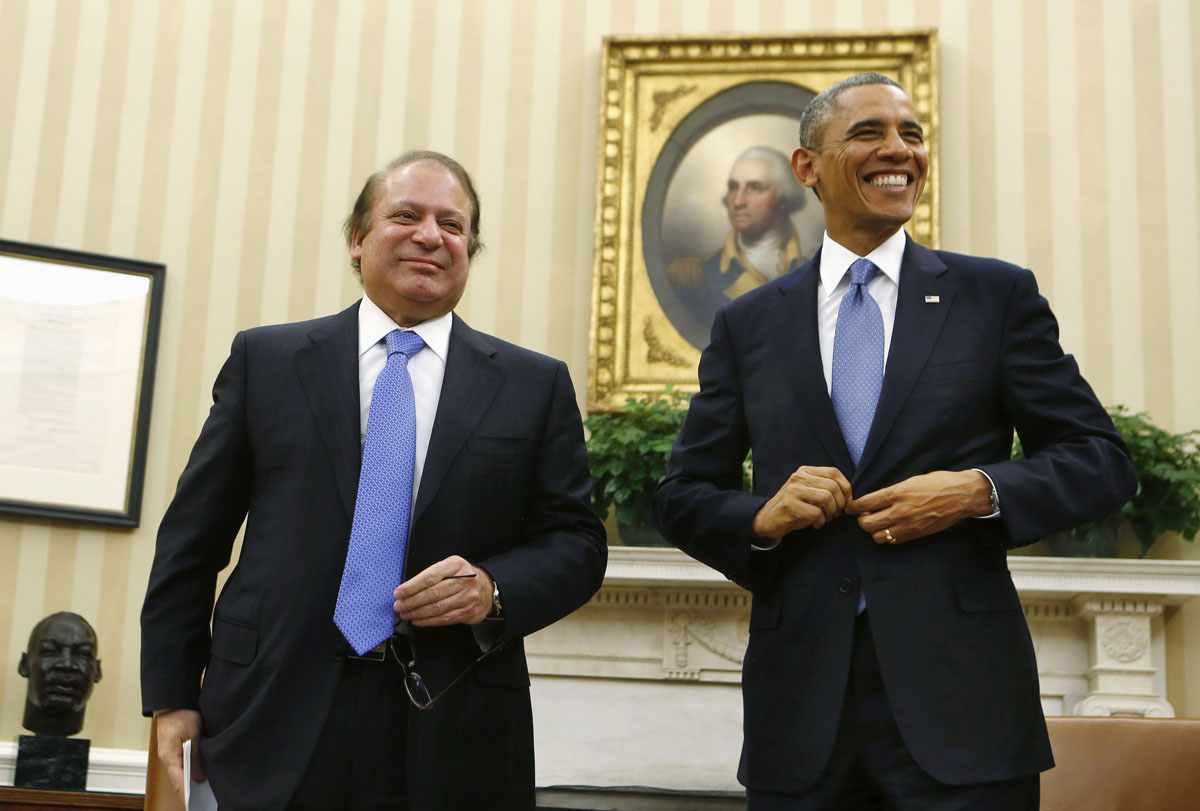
{"type": "Point", "coordinates": [835, 281]}
{"type": "Point", "coordinates": [426, 368]}
{"type": "Point", "coordinates": [884, 287]}
{"type": "Point", "coordinates": [832, 285]}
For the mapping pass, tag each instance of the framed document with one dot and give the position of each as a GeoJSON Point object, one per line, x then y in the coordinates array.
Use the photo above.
{"type": "Point", "coordinates": [78, 339]}
{"type": "Point", "coordinates": [685, 124]}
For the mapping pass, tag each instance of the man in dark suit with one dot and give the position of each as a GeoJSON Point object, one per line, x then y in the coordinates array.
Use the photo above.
{"type": "Point", "coordinates": [878, 385]}
{"type": "Point", "coordinates": [500, 539]}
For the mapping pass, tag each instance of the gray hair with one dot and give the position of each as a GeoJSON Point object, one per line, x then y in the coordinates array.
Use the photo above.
{"type": "Point", "coordinates": [789, 191]}
{"type": "Point", "coordinates": [820, 110]}
{"type": "Point", "coordinates": [360, 215]}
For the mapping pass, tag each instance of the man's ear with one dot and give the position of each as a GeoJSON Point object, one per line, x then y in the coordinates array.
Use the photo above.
{"type": "Point", "coordinates": [23, 666]}
{"type": "Point", "coordinates": [804, 167]}
{"type": "Point", "coordinates": [97, 671]}
{"type": "Point", "coordinates": [356, 240]}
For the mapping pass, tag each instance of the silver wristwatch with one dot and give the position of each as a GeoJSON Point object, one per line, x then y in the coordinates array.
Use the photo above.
{"type": "Point", "coordinates": [497, 607]}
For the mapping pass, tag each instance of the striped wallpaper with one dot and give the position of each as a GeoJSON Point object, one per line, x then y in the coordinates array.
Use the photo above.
{"type": "Point", "coordinates": [227, 140]}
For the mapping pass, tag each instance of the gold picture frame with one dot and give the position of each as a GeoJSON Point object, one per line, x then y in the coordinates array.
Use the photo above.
{"type": "Point", "coordinates": [667, 107]}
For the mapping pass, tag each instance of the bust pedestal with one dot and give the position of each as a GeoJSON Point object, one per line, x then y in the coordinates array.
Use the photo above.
{"type": "Point", "coordinates": [48, 761]}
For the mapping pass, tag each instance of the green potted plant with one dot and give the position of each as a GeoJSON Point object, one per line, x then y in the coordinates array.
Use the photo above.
{"type": "Point", "coordinates": [1167, 498]}
{"type": "Point", "coordinates": [628, 452]}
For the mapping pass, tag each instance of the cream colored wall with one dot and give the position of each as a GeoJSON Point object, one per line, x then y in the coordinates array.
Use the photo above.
{"type": "Point", "coordinates": [226, 139]}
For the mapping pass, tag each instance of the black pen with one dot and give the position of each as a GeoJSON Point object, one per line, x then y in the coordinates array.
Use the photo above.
{"type": "Point", "coordinates": [458, 576]}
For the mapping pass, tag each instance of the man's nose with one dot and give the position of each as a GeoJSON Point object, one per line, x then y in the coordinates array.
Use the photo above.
{"type": "Point", "coordinates": [894, 144]}
{"type": "Point", "coordinates": [62, 660]}
{"type": "Point", "coordinates": [428, 233]}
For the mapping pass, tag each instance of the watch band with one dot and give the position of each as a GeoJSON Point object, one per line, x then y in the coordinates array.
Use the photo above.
{"type": "Point", "coordinates": [497, 606]}
{"type": "Point", "coordinates": [993, 496]}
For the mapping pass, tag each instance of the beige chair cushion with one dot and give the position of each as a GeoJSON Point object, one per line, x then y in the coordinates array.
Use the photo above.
{"type": "Point", "coordinates": [1123, 764]}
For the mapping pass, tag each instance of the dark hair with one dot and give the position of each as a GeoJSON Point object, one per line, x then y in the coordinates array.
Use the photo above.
{"type": "Point", "coordinates": [819, 111]}
{"type": "Point", "coordinates": [360, 215]}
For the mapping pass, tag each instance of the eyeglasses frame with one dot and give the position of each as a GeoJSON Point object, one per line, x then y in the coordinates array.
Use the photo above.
{"type": "Point", "coordinates": [411, 674]}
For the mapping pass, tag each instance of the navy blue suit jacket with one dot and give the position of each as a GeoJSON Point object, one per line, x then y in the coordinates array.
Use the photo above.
{"type": "Point", "coordinates": [974, 353]}
{"type": "Point", "coordinates": [505, 485]}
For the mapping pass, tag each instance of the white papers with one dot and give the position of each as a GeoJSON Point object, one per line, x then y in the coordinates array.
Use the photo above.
{"type": "Point", "coordinates": [197, 796]}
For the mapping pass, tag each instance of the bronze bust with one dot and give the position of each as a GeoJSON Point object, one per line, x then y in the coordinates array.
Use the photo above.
{"type": "Point", "coordinates": [62, 667]}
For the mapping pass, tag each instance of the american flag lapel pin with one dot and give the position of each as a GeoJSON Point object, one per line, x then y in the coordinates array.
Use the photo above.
{"type": "Point", "coordinates": [933, 299]}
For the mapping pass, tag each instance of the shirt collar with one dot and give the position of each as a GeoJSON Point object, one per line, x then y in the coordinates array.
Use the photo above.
{"type": "Point", "coordinates": [374, 324]}
{"type": "Point", "coordinates": [836, 260]}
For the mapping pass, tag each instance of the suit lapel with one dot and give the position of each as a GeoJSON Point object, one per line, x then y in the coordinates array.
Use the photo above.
{"type": "Point", "coordinates": [921, 307]}
{"type": "Point", "coordinates": [794, 321]}
{"type": "Point", "coordinates": [470, 384]}
{"type": "Point", "coordinates": [328, 369]}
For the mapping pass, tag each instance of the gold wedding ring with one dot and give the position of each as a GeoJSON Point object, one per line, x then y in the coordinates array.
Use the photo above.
{"type": "Point", "coordinates": [887, 533]}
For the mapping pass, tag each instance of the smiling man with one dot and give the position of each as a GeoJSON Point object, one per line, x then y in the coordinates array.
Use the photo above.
{"type": "Point", "coordinates": [878, 385]}
{"type": "Point", "coordinates": [416, 501]}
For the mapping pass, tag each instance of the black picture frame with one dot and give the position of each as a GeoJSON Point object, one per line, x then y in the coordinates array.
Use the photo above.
{"type": "Point", "coordinates": [83, 330]}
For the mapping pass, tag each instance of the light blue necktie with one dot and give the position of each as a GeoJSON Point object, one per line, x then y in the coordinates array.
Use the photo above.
{"type": "Point", "coordinates": [379, 536]}
{"type": "Point", "coordinates": [857, 359]}
{"type": "Point", "coordinates": [857, 364]}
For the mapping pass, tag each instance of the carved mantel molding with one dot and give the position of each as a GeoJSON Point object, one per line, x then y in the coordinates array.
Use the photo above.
{"type": "Point", "coordinates": [1175, 581]}
{"type": "Point", "coordinates": [1171, 582]}
{"type": "Point", "coordinates": [1096, 625]}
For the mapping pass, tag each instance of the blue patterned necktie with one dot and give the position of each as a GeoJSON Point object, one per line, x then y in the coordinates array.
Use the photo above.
{"type": "Point", "coordinates": [379, 536]}
{"type": "Point", "coordinates": [857, 365]}
{"type": "Point", "coordinates": [857, 359]}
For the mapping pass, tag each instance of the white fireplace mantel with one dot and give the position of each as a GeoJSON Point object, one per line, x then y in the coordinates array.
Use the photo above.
{"type": "Point", "coordinates": [1056, 578]}
{"type": "Point", "coordinates": [1172, 582]}
{"type": "Point", "coordinates": [659, 650]}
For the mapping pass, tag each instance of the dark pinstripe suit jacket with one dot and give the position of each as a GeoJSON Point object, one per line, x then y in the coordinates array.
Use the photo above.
{"type": "Point", "coordinates": [505, 485]}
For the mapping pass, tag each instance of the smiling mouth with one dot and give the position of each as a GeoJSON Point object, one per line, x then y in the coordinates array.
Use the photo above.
{"type": "Point", "coordinates": [419, 260]}
{"type": "Point", "coordinates": [892, 180]}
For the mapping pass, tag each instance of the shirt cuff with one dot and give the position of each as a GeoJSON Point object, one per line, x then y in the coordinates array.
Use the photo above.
{"type": "Point", "coordinates": [488, 633]}
{"type": "Point", "coordinates": [995, 497]}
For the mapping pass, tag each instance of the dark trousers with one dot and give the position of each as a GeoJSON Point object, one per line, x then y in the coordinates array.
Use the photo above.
{"type": "Point", "coordinates": [359, 760]}
{"type": "Point", "coordinates": [871, 769]}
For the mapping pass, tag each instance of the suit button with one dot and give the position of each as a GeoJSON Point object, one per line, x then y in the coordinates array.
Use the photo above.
{"type": "Point", "coordinates": [339, 652]}
{"type": "Point", "coordinates": [844, 585]}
